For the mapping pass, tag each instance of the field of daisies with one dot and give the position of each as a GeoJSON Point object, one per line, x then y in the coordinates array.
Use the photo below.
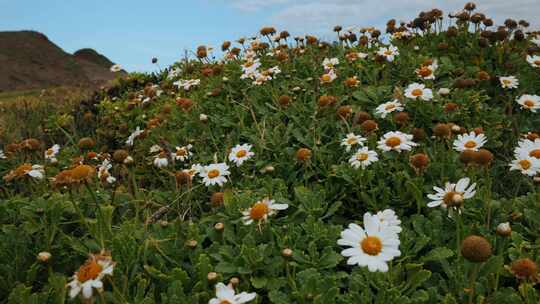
{"type": "Point", "coordinates": [395, 166]}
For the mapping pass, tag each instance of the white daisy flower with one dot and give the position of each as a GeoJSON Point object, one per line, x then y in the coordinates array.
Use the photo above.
{"type": "Point", "coordinates": [250, 66]}
{"type": "Point", "coordinates": [134, 135]}
{"type": "Point", "coordinates": [388, 107]}
{"type": "Point", "coordinates": [50, 154]}
{"type": "Point", "coordinates": [416, 90]}
{"type": "Point", "coordinates": [389, 53]}
{"type": "Point", "coordinates": [175, 72]}
{"type": "Point", "coordinates": [452, 195]}
{"type": "Point", "coordinates": [363, 158]}
{"type": "Point", "coordinates": [529, 102]}
{"type": "Point", "coordinates": [427, 71]}
{"type": "Point", "coordinates": [186, 84]}
{"type": "Point", "coordinates": [397, 141]}
{"type": "Point", "coordinates": [374, 246]}
{"type": "Point", "coordinates": [471, 141]}
{"type": "Point", "coordinates": [116, 68]}
{"type": "Point", "coordinates": [240, 153]}
{"type": "Point", "coordinates": [161, 161]}
{"type": "Point", "coordinates": [443, 91]}
{"type": "Point", "coordinates": [389, 219]}
{"type": "Point", "coordinates": [103, 172]}
{"type": "Point", "coordinates": [154, 149]}
{"type": "Point", "coordinates": [226, 295]}
{"type": "Point", "coordinates": [274, 70]}
{"type": "Point", "coordinates": [2, 155]}
{"type": "Point", "coordinates": [182, 153]}
{"type": "Point", "coordinates": [90, 276]}
{"type": "Point", "coordinates": [261, 210]}
{"type": "Point", "coordinates": [509, 82]}
{"type": "Point", "coordinates": [352, 140]}
{"type": "Point", "coordinates": [328, 77]}
{"type": "Point", "coordinates": [528, 147]}
{"type": "Point", "coordinates": [261, 78]}
{"type": "Point", "coordinates": [329, 64]}
{"type": "Point", "coordinates": [536, 41]}
{"type": "Point", "coordinates": [214, 174]}
{"type": "Point", "coordinates": [526, 164]}
{"type": "Point", "coordinates": [37, 172]}
{"type": "Point", "coordinates": [534, 61]}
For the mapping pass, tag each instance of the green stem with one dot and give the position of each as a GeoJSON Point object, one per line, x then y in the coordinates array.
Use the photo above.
{"type": "Point", "coordinates": [473, 281]}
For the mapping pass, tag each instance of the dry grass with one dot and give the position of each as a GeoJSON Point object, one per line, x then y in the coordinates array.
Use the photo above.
{"type": "Point", "coordinates": [25, 114]}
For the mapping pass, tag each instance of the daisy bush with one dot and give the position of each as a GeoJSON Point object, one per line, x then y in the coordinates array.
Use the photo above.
{"type": "Point", "coordinates": [382, 166]}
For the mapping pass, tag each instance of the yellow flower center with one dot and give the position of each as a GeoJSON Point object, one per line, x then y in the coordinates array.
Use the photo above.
{"type": "Point", "coordinates": [535, 153]}
{"type": "Point", "coordinates": [525, 164]}
{"type": "Point", "coordinates": [352, 141]}
{"type": "Point", "coordinates": [181, 152]}
{"type": "Point", "coordinates": [362, 156]}
{"type": "Point", "coordinates": [49, 151]}
{"type": "Point", "coordinates": [258, 211]}
{"type": "Point", "coordinates": [506, 82]}
{"type": "Point", "coordinates": [416, 92]}
{"type": "Point", "coordinates": [241, 153]}
{"type": "Point", "coordinates": [393, 142]}
{"type": "Point", "coordinates": [371, 245]}
{"type": "Point", "coordinates": [326, 78]}
{"type": "Point", "coordinates": [213, 173]}
{"type": "Point", "coordinates": [387, 53]}
{"type": "Point", "coordinates": [528, 103]}
{"type": "Point", "coordinates": [89, 271]}
{"type": "Point", "coordinates": [470, 144]}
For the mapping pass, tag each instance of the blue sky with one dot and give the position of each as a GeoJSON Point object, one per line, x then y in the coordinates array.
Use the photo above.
{"type": "Point", "coordinates": [132, 32]}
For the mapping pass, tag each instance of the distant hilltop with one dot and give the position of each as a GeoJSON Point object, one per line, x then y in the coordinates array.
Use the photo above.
{"type": "Point", "coordinates": [29, 60]}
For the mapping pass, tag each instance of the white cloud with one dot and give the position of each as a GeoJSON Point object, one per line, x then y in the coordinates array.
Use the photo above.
{"type": "Point", "coordinates": [319, 17]}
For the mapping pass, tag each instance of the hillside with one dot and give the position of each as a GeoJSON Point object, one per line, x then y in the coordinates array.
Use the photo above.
{"type": "Point", "coordinates": [399, 165]}
{"type": "Point", "coordinates": [29, 60]}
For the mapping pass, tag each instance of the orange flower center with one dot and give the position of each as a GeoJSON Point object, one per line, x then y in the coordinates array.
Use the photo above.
{"type": "Point", "coordinates": [393, 142]}
{"type": "Point", "coordinates": [390, 107]}
{"type": "Point", "coordinates": [258, 211]}
{"type": "Point", "coordinates": [535, 153]}
{"type": "Point", "coordinates": [525, 164]}
{"type": "Point", "coordinates": [241, 153]}
{"type": "Point", "coordinates": [326, 78]}
{"type": "Point", "coordinates": [528, 103]}
{"type": "Point", "coordinates": [181, 152]}
{"type": "Point", "coordinates": [362, 156]}
{"type": "Point", "coordinates": [416, 92]}
{"type": "Point", "coordinates": [371, 245]}
{"type": "Point", "coordinates": [537, 62]}
{"type": "Point", "coordinates": [23, 169]}
{"type": "Point", "coordinates": [89, 271]}
{"type": "Point", "coordinates": [453, 198]}
{"type": "Point", "coordinates": [213, 173]}
{"type": "Point", "coordinates": [49, 151]}
{"type": "Point", "coordinates": [224, 302]}
{"type": "Point", "coordinates": [470, 144]}
{"type": "Point", "coordinates": [424, 71]}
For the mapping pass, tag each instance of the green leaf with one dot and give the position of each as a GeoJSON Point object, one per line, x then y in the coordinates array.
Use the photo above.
{"type": "Point", "coordinates": [440, 253]}
{"type": "Point", "coordinates": [418, 278]}
{"type": "Point", "coordinates": [259, 282]}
